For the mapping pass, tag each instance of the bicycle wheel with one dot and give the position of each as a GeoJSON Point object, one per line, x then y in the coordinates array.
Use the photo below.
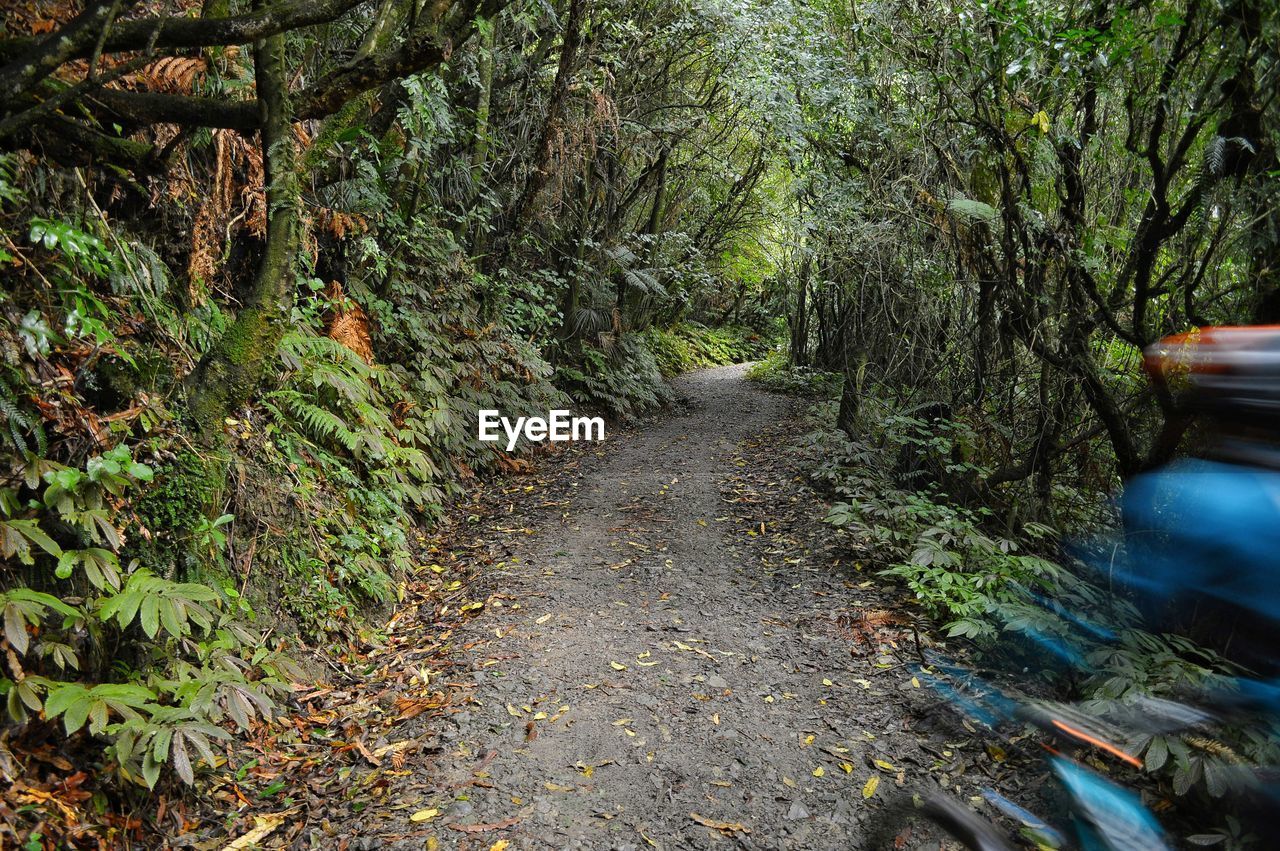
{"type": "Point", "coordinates": [903, 825]}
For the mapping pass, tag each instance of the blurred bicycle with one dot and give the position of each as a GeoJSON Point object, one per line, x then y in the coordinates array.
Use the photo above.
{"type": "Point", "coordinates": [1202, 536]}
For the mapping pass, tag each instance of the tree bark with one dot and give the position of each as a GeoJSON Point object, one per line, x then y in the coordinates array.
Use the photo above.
{"type": "Point", "coordinates": [233, 368]}
{"type": "Point", "coordinates": [541, 174]}
{"type": "Point", "coordinates": [181, 32]}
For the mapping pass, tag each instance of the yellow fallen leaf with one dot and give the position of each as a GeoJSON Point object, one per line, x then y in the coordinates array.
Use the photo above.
{"type": "Point", "coordinates": [622, 722]}
{"type": "Point", "coordinates": [680, 645]}
{"type": "Point", "coordinates": [787, 781]}
{"type": "Point", "coordinates": [629, 732]}
{"type": "Point", "coordinates": [873, 782]}
{"type": "Point", "coordinates": [808, 740]}
{"type": "Point", "coordinates": [819, 771]}
{"type": "Point", "coordinates": [701, 522]}
{"type": "Point", "coordinates": [715, 718]}
{"type": "Point", "coordinates": [424, 815]}
{"type": "Point", "coordinates": [543, 619]}
{"type": "Point", "coordinates": [768, 698]}
{"type": "Point", "coordinates": [588, 771]}
{"type": "Point", "coordinates": [827, 682]}
{"type": "Point", "coordinates": [884, 764]}
{"type": "Point", "coordinates": [645, 655]}
{"type": "Point", "coordinates": [500, 845]}
{"type": "Point", "coordinates": [540, 716]}
{"type": "Point", "coordinates": [646, 664]}
{"type": "Point", "coordinates": [848, 767]}
{"type": "Point", "coordinates": [915, 682]}
{"type": "Point", "coordinates": [512, 711]}
{"type": "Point", "coordinates": [617, 666]}
{"type": "Point", "coordinates": [263, 827]}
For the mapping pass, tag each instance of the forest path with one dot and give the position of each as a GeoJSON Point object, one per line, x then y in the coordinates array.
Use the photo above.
{"type": "Point", "coordinates": [664, 672]}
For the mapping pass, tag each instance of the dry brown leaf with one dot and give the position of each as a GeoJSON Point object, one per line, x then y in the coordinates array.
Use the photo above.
{"type": "Point", "coordinates": [481, 828]}
{"type": "Point", "coordinates": [728, 828]}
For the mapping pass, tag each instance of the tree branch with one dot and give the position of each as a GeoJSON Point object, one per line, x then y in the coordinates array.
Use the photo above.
{"type": "Point", "coordinates": [40, 58]}
{"type": "Point", "coordinates": [181, 32]}
{"type": "Point", "coordinates": [156, 108]}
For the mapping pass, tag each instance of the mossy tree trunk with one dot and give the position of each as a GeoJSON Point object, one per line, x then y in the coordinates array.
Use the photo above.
{"type": "Point", "coordinates": [232, 369]}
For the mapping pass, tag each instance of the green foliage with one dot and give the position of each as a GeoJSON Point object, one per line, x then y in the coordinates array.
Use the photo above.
{"type": "Point", "coordinates": [690, 346]}
{"type": "Point", "coordinates": [776, 373]}
{"type": "Point", "coordinates": [625, 381]}
{"type": "Point", "coordinates": [61, 528]}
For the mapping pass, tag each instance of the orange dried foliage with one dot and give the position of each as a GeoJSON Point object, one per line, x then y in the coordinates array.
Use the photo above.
{"type": "Point", "coordinates": [207, 231]}
{"type": "Point", "coordinates": [172, 74]}
{"type": "Point", "coordinates": [348, 324]}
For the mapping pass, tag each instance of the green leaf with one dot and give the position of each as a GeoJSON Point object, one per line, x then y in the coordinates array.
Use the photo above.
{"type": "Point", "coordinates": [77, 713]}
{"type": "Point", "coordinates": [66, 563]}
{"type": "Point", "coordinates": [151, 616]}
{"type": "Point", "coordinates": [61, 696]}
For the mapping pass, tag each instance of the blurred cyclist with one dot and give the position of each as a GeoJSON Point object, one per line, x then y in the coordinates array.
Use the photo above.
{"type": "Point", "coordinates": [1204, 532]}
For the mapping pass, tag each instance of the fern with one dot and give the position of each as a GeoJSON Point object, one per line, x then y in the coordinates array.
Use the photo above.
{"type": "Point", "coordinates": [320, 424]}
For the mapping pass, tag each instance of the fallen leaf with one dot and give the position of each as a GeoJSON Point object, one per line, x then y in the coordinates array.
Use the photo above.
{"type": "Point", "coordinates": [819, 771]}
{"type": "Point", "coordinates": [728, 828]}
{"type": "Point", "coordinates": [263, 826]}
{"type": "Point", "coordinates": [543, 619]}
{"type": "Point", "coordinates": [424, 815]}
{"type": "Point", "coordinates": [872, 784]}
{"type": "Point", "coordinates": [617, 666]}
{"type": "Point", "coordinates": [848, 767]}
{"type": "Point", "coordinates": [481, 828]}
{"type": "Point", "coordinates": [500, 845]}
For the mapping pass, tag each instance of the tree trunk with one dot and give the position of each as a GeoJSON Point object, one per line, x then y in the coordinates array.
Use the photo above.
{"type": "Point", "coordinates": [800, 319]}
{"type": "Point", "coordinates": [526, 204]}
{"type": "Point", "coordinates": [231, 370]}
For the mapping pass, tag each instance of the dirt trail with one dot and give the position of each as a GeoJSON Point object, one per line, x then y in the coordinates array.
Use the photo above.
{"type": "Point", "coordinates": [712, 671]}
